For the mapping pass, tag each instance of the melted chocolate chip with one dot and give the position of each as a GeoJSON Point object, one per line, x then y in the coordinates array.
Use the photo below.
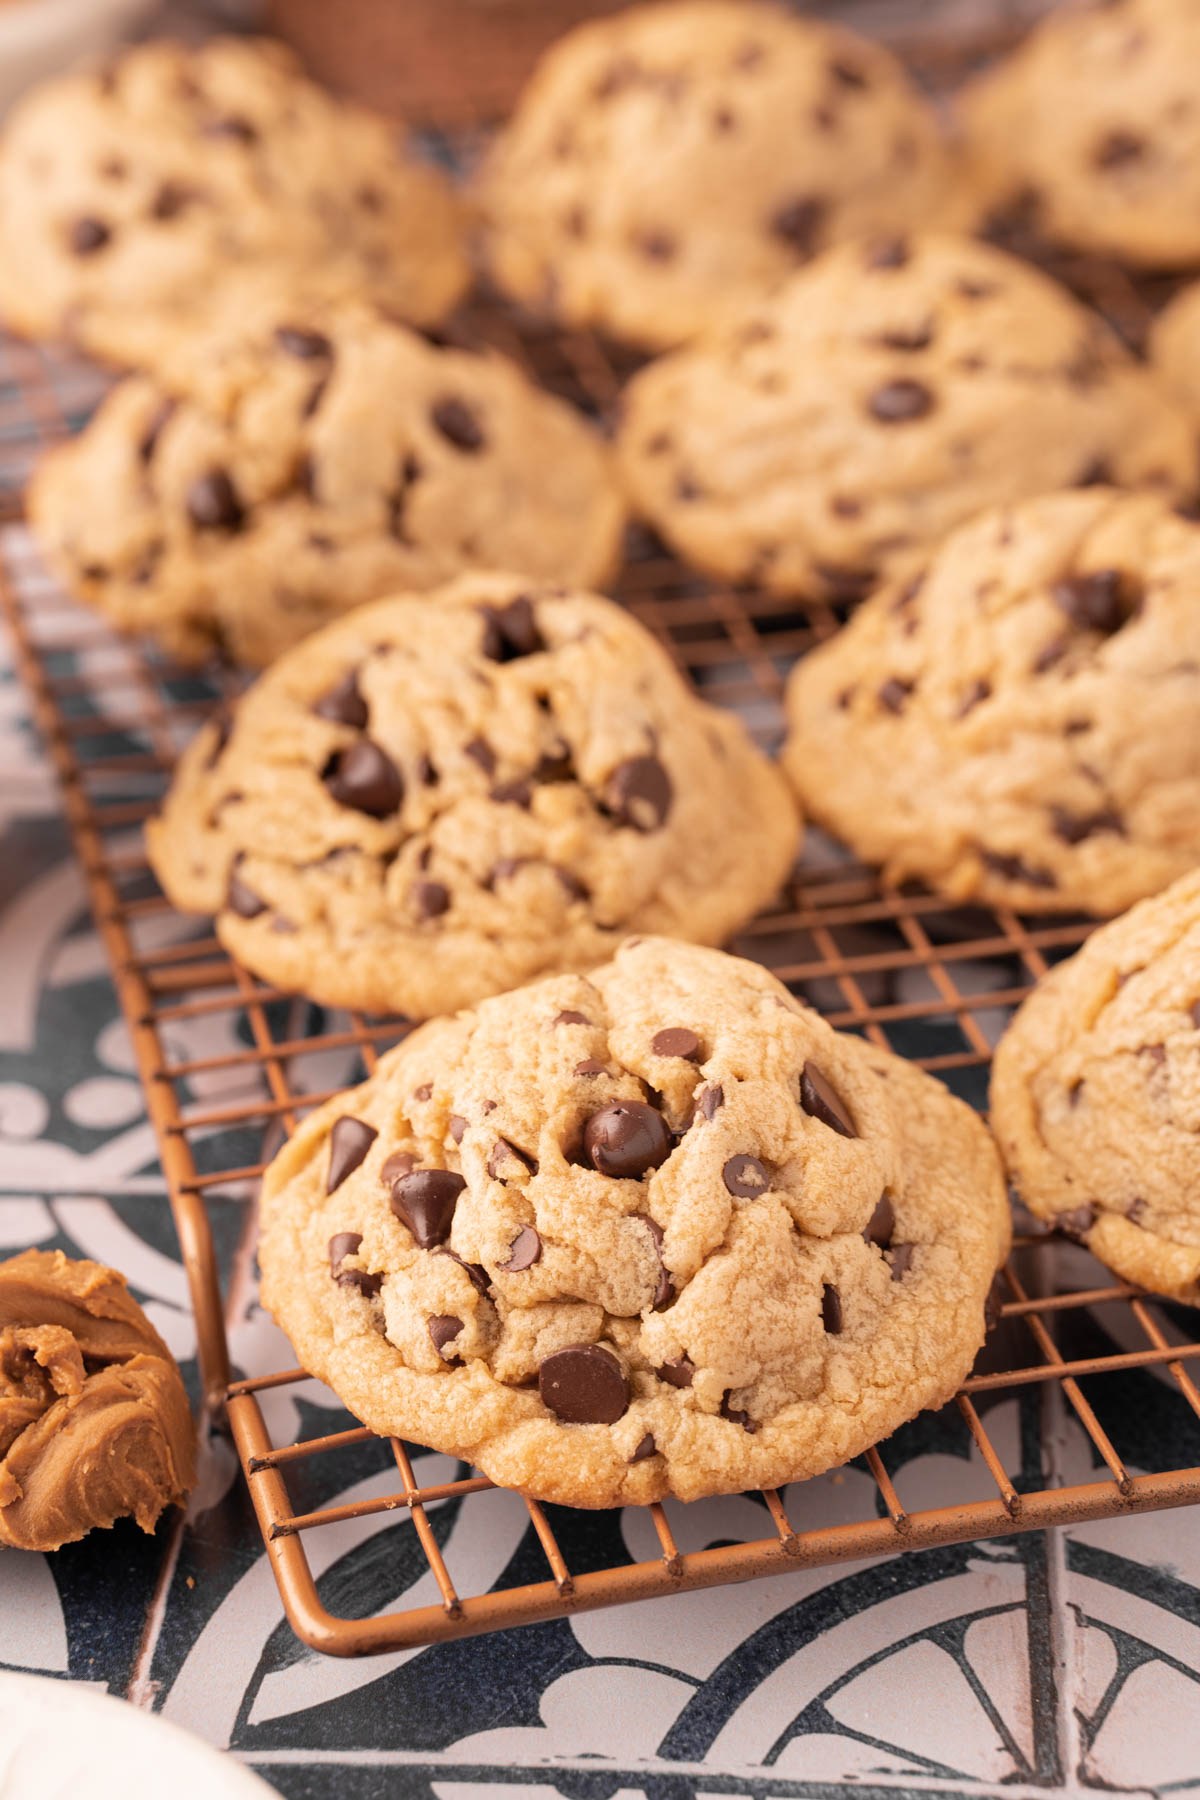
{"type": "Point", "coordinates": [1095, 602]}
{"type": "Point", "coordinates": [880, 1226]}
{"type": "Point", "coordinates": [567, 1017]}
{"type": "Point", "coordinates": [900, 1256]}
{"type": "Point", "coordinates": [307, 345]}
{"type": "Point", "coordinates": [242, 899]}
{"type": "Point", "coordinates": [343, 704]}
{"type": "Point", "coordinates": [821, 1101]}
{"type": "Point", "coordinates": [523, 1252]}
{"type": "Point", "coordinates": [831, 1309]}
{"type": "Point", "coordinates": [458, 424]}
{"type": "Point", "coordinates": [678, 1373]}
{"type": "Point", "coordinates": [442, 1328]}
{"type": "Point", "coordinates": [894, 693]}
{"type": "Point", "coordinates": [745, 1176]}
{"type": "Point", "coordinates": [638, 793]}
{"type": "Point", "coordinates": [430, 899]}
{"type": "Point", "coordinates": [349, 1142]}
{"type": "Point", "coordinates": [425, 1202]}
{"type": "Point", "coordinates": [584, 1385]}
{"type": "Point", "coordinates": [400, 1162]}
{"type": "Point", "coordinates": [342, 1245]}
{"type": "Point", "coordinates": [676, 1040]}
{"type": "Point", "coordinates": [664, 1292]}
{"type": "Point", "coordinates": [627, 1139]}
{"type": "Point", "coordinates": [899, 402]}
{"type": "Point", "coordinates": [798, 223]}
{"type": "Point", "coordinates": [510, 631]}
{"type": "Point", "coordinates": [1078, 1222]}
{"type": "Point", "coordinates": [711, 1100]}
{"type": "Point", "coordinates": [213, 503]}
{"type": "Point", "coordinates": [365, 778]}
{"type": "Point", "coordinates": [1073, 828]}
{"type": "Point", "coordinates": [89, 235]}
{"type": "Point", "coordinates": [646, 1448]}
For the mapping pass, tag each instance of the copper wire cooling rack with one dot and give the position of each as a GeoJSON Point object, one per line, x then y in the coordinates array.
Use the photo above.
{"type": "Point", "coordinates": [907, 970]}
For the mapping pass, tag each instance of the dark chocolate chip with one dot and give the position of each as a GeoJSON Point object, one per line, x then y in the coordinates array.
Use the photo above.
{"type": "Point", "coordinates": [1073, 828]}
{"type": "Point", "coordinates": [676, 1040]}
{"type": "Point", "coordinates": [430, 899]}
{"type": "Point", "coordinates": [1095, 602]}
{"type": "Point", "coordinates": [664, 1293]}
{"type": "Point", "coordinates": [584, 1385]}
{"type": "Point", "coordinates": [1117, 149]}
{"type": "Point", "coordinates": [626, 1139]}
{"type": "Point", "coordinates": [213, 503]}
{"type": "Point", "coordinates": [900, 1256]}
{"type": "Point", "coordinates": [1078, 1222]}
{"type": "Point", "coordinates": [822, 1102]}
{"type": "Point", "coordinates": [1097, 473]}
{"type": "Point", "coordinates": [894, 693]}
{"type": "Point", "coordinates": [457, 1127]}
{"type": "Point", "coordinates": [442, 1328]}
{"type": "Point", "coordinates": [798, 223]}
{"type": "Point", "coordinates": [555, 764]}
{"type": "Point", "coordinates": [1051, 655]}
{"type": "Point", "coordinates": [1136, 1211]}
{"type": "Point", "coordinates": [510, 631]}
{"type": "Point", "coordinates": [736, 1416]}
{"type": "Point", "coordinates": [570, 882]}
{"type": "Point", "coordinates": [887, 253]}
{"type": "Point", "coordinates": [475, 1272]}
{"type": "Point", "coordinates": [458, 424]}
{"type": "Point", "coordinates": [342, 1245]}
{"type": "Point", "coordinates": [907, 337]}
{"type": "Point", "coordinates": [155, 426]}
{"type": "Point", "coordinates": [349, 1142]}
{"type": "Point", "coordinates": [481, 752]}
{"type": "Point", "coordinates": [232, 125]}
{"type": "Point", "coordinates": [1014, 868]}
{"type": "Point", "coordinates": [678, 1373]}
{"type": "Point", "coordinates": [745, 1176]}
{"type": "Point", "coordinates": [589, 1068]}
{"type": "Point", "coordinates": [898, 402]}
{"type": "Point", "coordinates": [639, 793]}
{"type": "Point", "coordinates": [242, 899]}
{"type": "Point", "coordinates": [976, 694]}
{"type": "Point", "coordinates": [502, 1152]}
{"type": "Point", "coordinates": [426, 774]}
{"type": "Point", "coordinates": [567, 1017]}
{"type": "Point", "coordinates": [881, 1224]}
{"type": "Point", "coordinates": [400, 1162]}
{"type": "Point", "coordinates": [425, 1202]}
{"type": "Point", "coordinates": [523, 1252]}
{"type": "Point", "coordinates": [343, 703]}
{"type": "Point", "coordinates": [848, 74]}
{"type": "Point", "coordinates": [88, 236]}
{"type": "Point", "coordinates": [646, 1448]}
{"type": "Point", "coordinates": [365, 778]}
{"type": "Point", "coordinates": [831, 1309]}
{"type": "Point", "coordinates": [307, 345]}
{"type": "Point", "coordinates": [711, 1100]}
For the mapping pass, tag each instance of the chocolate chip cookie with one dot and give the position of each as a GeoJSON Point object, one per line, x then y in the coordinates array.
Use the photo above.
{"type": "Point", "coordinates": [668, 163]}
{"type": "Point", "coordinates": [1096, 1094]}
{"type": "Point", "coordinates": [660, 1231]}
{"type": "Point", "coordinates": [1090, 133]}
{"type": "Point", "coordinates": [437, 798]}
{"type": "Point", "coordinates": [314, 458]}
{"type": "Point", "coordinates": [129, 195]}
{"type": "Point", "coordinates": [875, 401]}
{"type": "Point", "coordinates": [1020, 721]}
{"type": "Point", "coordinates": [1175, 348]}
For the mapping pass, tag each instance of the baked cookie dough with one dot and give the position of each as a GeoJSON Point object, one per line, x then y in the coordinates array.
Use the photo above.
{"type": "Point", "coordinates": [1092, 133]}
{"type": "Point", "coordinates": [94, 1422]}
{"type": "Point", "coordinates": [1096, 1094]}
{"type": "Point", "coordinates": [439, 798]}
{"type": "Point", "coordinates": [1175, 349]}
{"type": "Point", "coordinates": [1019, 723]}
{"type": "Point", "coordinates": [312, 459]}
{"type": "Point", "coordinates": [768, 137]}
{"type": "Point", "coordinates": [130, 195]}
{"type": "Point", "coordinates": [660, 1231]}
{"type": "Point", "coordinates": [875, 401]}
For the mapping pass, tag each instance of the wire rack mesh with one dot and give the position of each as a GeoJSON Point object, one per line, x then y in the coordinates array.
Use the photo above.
{"type": "Point", "coordinates": [915, 973]}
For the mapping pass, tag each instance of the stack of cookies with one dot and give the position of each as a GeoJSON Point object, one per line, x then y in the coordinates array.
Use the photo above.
{"type": "Point", "coordinates": [623, 1218]}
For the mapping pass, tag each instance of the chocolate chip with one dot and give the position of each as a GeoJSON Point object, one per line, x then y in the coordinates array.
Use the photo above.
{"type": "Point", "coordinates": [976, 694]}
{"type": "Point", "coordinates": [502, 1152]}
{"type": "Point", "coordinates": [475, 1272]}
{"type": "Point", "coordinates": [523, 1252]}
{"type": "Point", "coordinates": [798, 223]}
{"type": "Point", "coordinates": [457, 1127]}
{"type": "Point", "coordinates": [365, 778]}
{"type": "Point", "coordinates": [646, 1448]}
{"type": "Point", "coordinates": [676, 1040]}
{"type": "Point", "coordinates": [900, 1256]}
{"type": "Point", "coordinates": [430, 899]}
{"type": "Point", "coordinates": [910, 337]}
{"type": "Point", "coordinates": [567, 1017]}
{"type": "Point", "coordinates": [711, 1100]}
{"type": "Point", "coordinates": [213, 503]}
{"type": "Point", "coordinates": [887, 253]}
{"type": "Point", "coordinates": [1097, 473]}
{"type": "Point", "coordinates": [88, 236]}
{"type": "Point", "coordinates": [627, 1139]}
{"type": "Point", "coordinates": [655, 244]}
{"type": "Point", "coordinates": [425, 1202]}
{"type": "Point", "coordinates": [155, 426]}
{"type": "Point", "coordinates": [1050, 656]}
{"type": "Point", "coordinates": [880, 1226]}
{"type": "Point", "coordinates": [584, 1385]}
{"type": "Point", "coordinates": [442, 1328]}
{"type": "Point", "coordinates": [1196, 1014]}
{"type": "Point", "coordinates": [665, 1290]}
{"type": "Point", "coordinates": [679, 1373]}
{"type": "Point", "coordinates": [426, 774]}
{"type": "Point", "coordinates": [342, 1245]}
{"type": "Point", "coordinates": [745, 1176]}
{"type": "Point", "coordinates": [1073, 828]}
{"type": "Point", "coordinates": [400, 1162]}
{"type": "Point", "coordinates": [848, 74]}
{"type": "Point", "coordinates": [589, 1068]}
{"type": "Point", "coordinates": [234, 126]}
{"type": "Point", "coordinates": [1117, 149]}
{"type": "Point", "coordinates": [242, 899]}
{"type": "Point", "coordinates": [1014, 868]}
{"type": "Point", "coordinates": [343, 703]}
{"type": "Point", "coordinates": [898, 402]}
{"type": "Point", "coordinates": [458, 424]}
{"type": "Point", "coordinates": [638, 793]}
{"type": "Point", "coordinates": [1078, 1222]}
{"type": "Point", "coordinates": [822, 1102]}
{"type": "Point", "coordinates": [894, 693]}
{"type": "Point", "coordinates": [1136, 1211]}
{"type": "Point", "coordinates": [305, 344]}
{"type": "Point", "coordinates": [1095, 602]}
{"type": "Point", "coordinates": [424, 1091]}
{"type": "Point", "coordinates": [736, 1416]}
{"type": "Point", "coordinates": [481, 752]}
{"type": "Point", "coordinates": [349, 1142]}
{"type": "Point", "coordinates": [554, 764]}
{"type": "Point", "coordinates": [573, 887]}
{"type": "Point", "coordinates": [510, 631]}
{"type": "Point", "coordinates": [831, 1309]}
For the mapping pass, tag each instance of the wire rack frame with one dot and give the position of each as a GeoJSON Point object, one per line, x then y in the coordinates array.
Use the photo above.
{"type": "Point", "coordinates": [908, 970]}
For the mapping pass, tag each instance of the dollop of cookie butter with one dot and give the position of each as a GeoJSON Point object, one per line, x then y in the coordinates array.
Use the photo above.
{"type": "Point", "coordinates": [94, 1421]}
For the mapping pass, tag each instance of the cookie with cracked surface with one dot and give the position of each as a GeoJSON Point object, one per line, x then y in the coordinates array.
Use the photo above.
{"type": "Point", "coordinates": [1020, 722]}
{"type": "Point", "coordinates": [316, 458]}
{"type": "Point", "coordinates": [1096, 1094]}
{"type": "Point", "coordinates": [129, 195]}
{"type": "Point", "coordinates": [769, 137]}
{"type": "Point", "coordinates": [1091, 131]}
{"type": "Point", "coordinates": [437, 798]}
{"type": "Point", "coordinates": [660, 1231]}
{"type": "Point", "coordinates": [875, 401]}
